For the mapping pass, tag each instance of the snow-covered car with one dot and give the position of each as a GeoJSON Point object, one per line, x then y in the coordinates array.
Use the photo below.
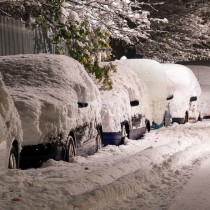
{"type": "Point", "coordinates": [184, 105]}
{"type": "Point", "coordinates": [58, 103]}
{"type": "Point", "coordinates": [10, 129]}
{"type": "Point", "coordinates": [202, 73]}
{"type": "Point", "coordinates": [159, 86]}
{"type": "Point", "coordinates": [124, 107]}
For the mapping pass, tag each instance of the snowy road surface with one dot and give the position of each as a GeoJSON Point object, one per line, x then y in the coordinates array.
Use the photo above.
{"type": "Point", "coordinates": [168, 169]}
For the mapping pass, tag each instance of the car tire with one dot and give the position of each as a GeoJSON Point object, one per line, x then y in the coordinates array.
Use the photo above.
{"type": "Point", "coordinates": [98, 141]}
{"type": "Point", "coordinates": [70, 150]}
{"type": "Point", "coordinates": [13, 159]}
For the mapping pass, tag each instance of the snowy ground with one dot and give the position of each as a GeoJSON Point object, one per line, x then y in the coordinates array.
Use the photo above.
{"type": "Point", "coordinates": [168, 169]}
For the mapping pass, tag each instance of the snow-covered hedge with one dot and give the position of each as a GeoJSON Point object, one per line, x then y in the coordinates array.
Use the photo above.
{"type": "Point", "coordinates": [159, 88]}
{"type": "Point", "coordinates": [10, 124]}
{"type": "Point", "coordinates": [116, 102]}
{"type": "Point", "coordinates": [46, 89]}
{"type": "Point", "coordinates": [186, 86]}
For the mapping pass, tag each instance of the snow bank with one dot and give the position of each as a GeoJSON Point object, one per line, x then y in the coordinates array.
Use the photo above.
{"type": "Point", "coordinates": [46, 89]}
{"type": "Point", "coordinates": [186, 86]}
{"type": "Point", "coordinates": [155, 79]}
{"type": "Point", "coordinates": [116, 106]}
{"type": "Point", "coordinates": [10, 124]}
{"type": "Point", "coordinates": [202, 73]}
{"type": "Point", "coordinates": [151, 171]}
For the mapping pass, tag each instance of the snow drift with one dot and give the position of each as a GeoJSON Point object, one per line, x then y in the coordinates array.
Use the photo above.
{"type": "Point", "coordinates": [46, 89]}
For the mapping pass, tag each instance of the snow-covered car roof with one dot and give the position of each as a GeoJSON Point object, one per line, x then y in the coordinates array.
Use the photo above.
{"type": "Point", "coordinates": [186, 86]}
{"type": "Point", "coordinates": [116, 106]}
{"type": "Point", "coordinates": [46, 89]}
{"type": "Point", "coordinates": [156, 81]}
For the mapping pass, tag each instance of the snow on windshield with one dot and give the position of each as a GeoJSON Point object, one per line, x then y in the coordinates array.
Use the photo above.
{"type": "Point", "coordinates": [149, 71]}
{"type": "Point", "coordinates": [46, 89]}
{"type": "Point", "coordinates": [186, 86]}
{"type": "Point", "coordinates": [116, 102]}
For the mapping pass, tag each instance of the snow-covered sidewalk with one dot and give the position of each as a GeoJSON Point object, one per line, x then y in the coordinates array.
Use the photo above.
{"type": "Point", "coordinates": [145, 174]}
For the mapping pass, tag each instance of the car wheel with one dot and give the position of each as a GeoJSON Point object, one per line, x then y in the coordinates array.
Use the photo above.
{"type": "Point", "coordinates": [70, 150]}
{"type": "Point", "coordinates": [98, 141]}
{"type": "Point", "coordinates": [13, 158]}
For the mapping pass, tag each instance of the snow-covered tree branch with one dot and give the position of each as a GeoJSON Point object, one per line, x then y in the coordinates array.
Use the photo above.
{"type": "Point", "coordinates": [85, 25]}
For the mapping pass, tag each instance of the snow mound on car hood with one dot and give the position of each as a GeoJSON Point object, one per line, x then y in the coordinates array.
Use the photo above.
{"type": "Point", "coordinates": [10, 124]}
{"type": "Point", "coordinates": [116, 106]}
{"type": "Point", "coordinates": [46, 89]}
{"type": "Point", "coordinates": [155, 79]}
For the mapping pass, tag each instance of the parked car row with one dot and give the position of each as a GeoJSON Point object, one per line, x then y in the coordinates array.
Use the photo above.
{"type": "Point", "coordinates": [59, 112]}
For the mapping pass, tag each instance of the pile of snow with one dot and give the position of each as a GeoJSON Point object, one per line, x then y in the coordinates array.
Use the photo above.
{"type": "Point", "coordinates": [186, 86]}
{"type": "Point", "coordinates": [202, 73]}
{"type": "Point", "coordinates": [159, 88]}
{"type": "Point", "coordinates": [145, 174]}
{"type": "Point", "coordinates": [116, 106]}
{"type": "Point", "coordinates": [10, 124]}
{"type": "Point", "coordinates": [46, 89]}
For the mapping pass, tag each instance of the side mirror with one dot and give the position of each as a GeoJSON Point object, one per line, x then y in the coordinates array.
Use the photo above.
{"type": "Point", "coordinates": [170, 97]}
{"type": "Point", "coordinates": [193, 98]}
{"type": "Point", "coordinates": [134, 103]}
{"type": "Point", "coordinates": [82, 104]}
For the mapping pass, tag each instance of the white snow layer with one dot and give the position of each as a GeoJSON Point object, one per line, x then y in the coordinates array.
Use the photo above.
{"type": "Point", "coordinates": [144, 174]}
{"type": "Point", "coordinates": [158, 87]}
{"type": "Point", "coordinates": [202, 73]}
{"type": "Point", "coordinates": [46, 89]}
{"type": "Point", "coordinates": [10, 124]}
{"type": "Point", "coordinates": [116, 106]}
{"type": "Point", "coordinates": [186, 86]}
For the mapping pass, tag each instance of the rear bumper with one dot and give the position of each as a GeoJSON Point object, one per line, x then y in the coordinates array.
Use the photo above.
{"type": "Point", "coordinates": [138, 133]}
{"type": "Point", "coordinates": [115, 138]}
{"type": "Point", "coordinates": [178, 120]}
{"type": "Point", "coordinates": [112, 138]}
